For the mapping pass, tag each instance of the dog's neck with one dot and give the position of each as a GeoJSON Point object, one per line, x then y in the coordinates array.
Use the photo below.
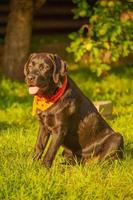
{"type": "Point", "coordinates": [55, 93]}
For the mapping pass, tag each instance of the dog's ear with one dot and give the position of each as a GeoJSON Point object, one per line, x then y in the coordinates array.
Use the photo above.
{"type": "Point", "coordinates": [27, 63]}
{"type": "Point", "coordinates": [60, 69]}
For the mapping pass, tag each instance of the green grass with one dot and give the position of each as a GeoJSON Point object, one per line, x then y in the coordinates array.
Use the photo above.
{"type": "Point", "coordinates": [22, 179]}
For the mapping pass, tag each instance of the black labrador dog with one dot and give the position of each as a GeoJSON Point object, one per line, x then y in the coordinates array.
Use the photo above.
{"type": "Point", "coordinates": [66, 114]}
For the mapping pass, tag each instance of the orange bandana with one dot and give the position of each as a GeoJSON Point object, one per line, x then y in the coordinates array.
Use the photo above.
{"type": "Point", "coordinates": [43, 103]}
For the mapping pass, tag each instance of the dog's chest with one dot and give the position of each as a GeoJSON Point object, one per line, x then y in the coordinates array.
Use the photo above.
{"type": "Point", "coordinates": [48, 120]}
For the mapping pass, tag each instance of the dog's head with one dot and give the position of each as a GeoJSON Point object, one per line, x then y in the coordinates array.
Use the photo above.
{"type": "Point", "coordinates": [44, 73]}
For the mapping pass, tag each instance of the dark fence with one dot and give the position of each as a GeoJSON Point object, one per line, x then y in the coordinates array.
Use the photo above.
{"type": "Point", "coordinates": [55, 16]}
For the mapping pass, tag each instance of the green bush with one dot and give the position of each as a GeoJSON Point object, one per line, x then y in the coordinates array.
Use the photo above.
{"type": "Point", "coordinates": [107, 36]}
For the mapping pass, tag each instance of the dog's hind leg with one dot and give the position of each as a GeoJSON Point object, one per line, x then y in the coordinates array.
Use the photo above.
{"type": "Point", "coordinates": [112, 148]}
{"type": "Point", "coordinates": [69, 156]}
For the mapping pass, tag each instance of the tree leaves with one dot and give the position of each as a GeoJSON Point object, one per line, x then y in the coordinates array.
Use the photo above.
{"type": "Point", "coordinates": [109, 35]}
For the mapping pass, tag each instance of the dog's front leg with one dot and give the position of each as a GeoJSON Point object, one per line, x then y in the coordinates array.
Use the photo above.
{"type": "Point", "coordinates": [57, 140]}
{"type": "Point", "coordinates": [42, 139]}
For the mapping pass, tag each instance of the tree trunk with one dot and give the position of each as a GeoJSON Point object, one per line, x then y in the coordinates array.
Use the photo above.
{"type": "Point", "coordinates": [17, 39]}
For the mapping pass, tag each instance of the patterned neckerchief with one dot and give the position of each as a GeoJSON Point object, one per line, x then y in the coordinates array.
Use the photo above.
{"type": "Point", "coordinates": [43, 103]}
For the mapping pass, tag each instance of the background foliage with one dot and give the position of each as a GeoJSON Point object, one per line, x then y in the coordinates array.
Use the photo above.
{"type": "Point", "coordinates": [106, 37]}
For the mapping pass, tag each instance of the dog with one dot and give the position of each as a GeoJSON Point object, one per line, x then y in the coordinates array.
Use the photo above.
{"type": "Point", "coordinates": [66, 114]}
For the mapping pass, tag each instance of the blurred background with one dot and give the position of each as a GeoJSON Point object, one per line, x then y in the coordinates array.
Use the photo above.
{"type": "Point", "coordinates": [92, 34]}
{"type": "Point", "coordinates": [51, 24]}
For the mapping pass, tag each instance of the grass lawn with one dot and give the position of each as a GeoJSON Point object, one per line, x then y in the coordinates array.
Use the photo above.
{"type": "Point", "coordinates": [20, 178]}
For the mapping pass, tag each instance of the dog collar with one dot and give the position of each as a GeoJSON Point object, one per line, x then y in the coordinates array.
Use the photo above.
{"type": "Point", "coordinates": [45, 102]}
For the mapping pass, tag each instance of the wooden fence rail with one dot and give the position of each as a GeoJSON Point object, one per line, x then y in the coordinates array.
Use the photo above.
{"type": "Point", "coordinates": [54, 17]}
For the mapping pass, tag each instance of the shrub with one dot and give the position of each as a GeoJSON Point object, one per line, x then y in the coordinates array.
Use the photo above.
{"type": "Point", "coordinates": [106, 37]}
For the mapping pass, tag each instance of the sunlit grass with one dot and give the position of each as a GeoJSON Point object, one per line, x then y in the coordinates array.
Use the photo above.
{"type": "Point", "coordinates": [21, 178]}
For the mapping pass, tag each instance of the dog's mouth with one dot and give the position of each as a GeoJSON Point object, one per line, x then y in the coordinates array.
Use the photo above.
{"type": "Point", "coordinates": [37, 86]}
{"type": "Point", "coordinates": [37, 90]}
{"type": "Point", "coordinates": [33, 90]}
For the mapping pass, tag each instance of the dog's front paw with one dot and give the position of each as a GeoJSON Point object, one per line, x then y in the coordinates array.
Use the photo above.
{"type": "Point", "coordinates": [47, 163]}
{"type": "Point", "coordinates": [37, 155]}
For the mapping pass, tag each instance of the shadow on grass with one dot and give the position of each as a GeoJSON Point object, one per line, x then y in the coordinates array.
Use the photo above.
{"type": "Point", "coordinates": [122, 72]}
{"type": "Point", "coordinates": [84, 73]}
{"type": "Point", "coordinates": [129, 150]}
{"type": "Point", "coordinates": [4, 126]}
{"type": "Point", "coordinates": [6, 102]}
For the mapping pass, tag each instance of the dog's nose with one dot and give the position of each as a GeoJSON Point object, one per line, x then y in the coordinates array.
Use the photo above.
{"type": "Point", "coordinates": [31, 77]}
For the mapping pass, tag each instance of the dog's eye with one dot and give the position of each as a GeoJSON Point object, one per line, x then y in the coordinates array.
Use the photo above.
{"type": "Point", "coordinates": [33, 63]}
{"type": "Point", "coordinates": [46, 67]}
{"type": "Point", "coordinates": [41, 66]}
{"type": "Point", "coordinates": [29, 68]}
